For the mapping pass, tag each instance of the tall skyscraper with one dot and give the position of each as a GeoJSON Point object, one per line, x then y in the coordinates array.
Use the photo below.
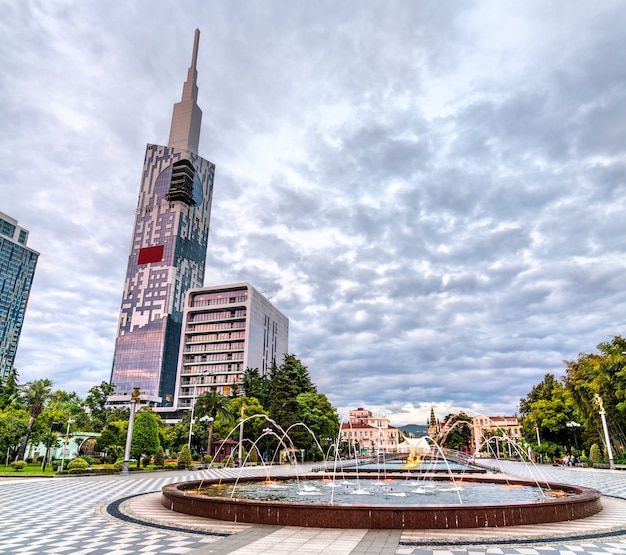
{"type": "Point", "coordinates": [17, 268]}
{"type": "Point", "coordinates": [167, 254]}
{"type": "Point", "coordinates": [226, 329]}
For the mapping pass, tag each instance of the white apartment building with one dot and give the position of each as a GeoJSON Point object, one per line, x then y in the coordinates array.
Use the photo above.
{"type": "Point", "coordinates": [226, 329]}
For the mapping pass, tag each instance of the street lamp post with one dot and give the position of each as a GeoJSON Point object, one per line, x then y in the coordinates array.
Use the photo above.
{"type": "Point", "coordinates": [573, 426]}
{"type": "Point", "coordinates": [193, 406]}
{"type": "Point", "coordinates": [607, 439]}
{"type": "Point", "coordinates": [66, 443]}
{"type": "Point", "coordinates": [267, 431]}
{"type": "Point", "coordinates": [134, 401]}
{"type": "Point", "coordinates": [243, 408]}
{"type": "Point", "coordinates": [54, 427]}
{"type": "Point", "coordinates": [538, 438]}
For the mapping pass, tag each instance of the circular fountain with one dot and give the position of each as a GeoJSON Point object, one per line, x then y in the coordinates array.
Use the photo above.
{"type": "Point", "coordinates": [555, 502]}
{"type": "Point", "coordinates": [402, 506]}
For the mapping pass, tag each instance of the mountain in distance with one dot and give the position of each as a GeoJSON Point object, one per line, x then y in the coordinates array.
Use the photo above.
{"type": "Point", "coordinates": [416, 430]}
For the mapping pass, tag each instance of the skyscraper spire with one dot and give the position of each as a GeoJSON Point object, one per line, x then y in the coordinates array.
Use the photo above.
{"type": "Point", "coordinates": [187, 115]}
{"type": "Point", "coordinates": [167, 255]}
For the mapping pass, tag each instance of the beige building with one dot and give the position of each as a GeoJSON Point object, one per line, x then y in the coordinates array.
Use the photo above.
{"type": "Point", "coordinates": [483, 427]}
{"type": "Point", "coordinates": [369, 434]}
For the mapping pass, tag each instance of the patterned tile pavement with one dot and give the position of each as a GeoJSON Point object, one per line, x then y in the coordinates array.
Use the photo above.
{"type": "Point", "coordinates": [70, 515]}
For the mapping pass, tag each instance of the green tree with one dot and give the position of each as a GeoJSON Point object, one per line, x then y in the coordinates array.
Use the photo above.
{"type": "Point", "coordinates": [35, 395]}
{"type": "Point", "coordinates": [145, 439]}
{"type": "Point", "coordinates": [96, 400]}
{"type": "Point", "coordinates": [320, 417]}
{"type": "Point", "coordinates": [548, 407]}
{"type": "Point", "coordinates": [257, 386]}
{"type": "Point", "coordinates": [602, 374]}
{"type": "Point", "coordinates": [214, 405]}
{"type": "Point", "coordinates": [595, 455]}
{"type": "Point", "coordinates": [11, 431]}
{"type": "Point", "coordinates": [288, 381]}
{"type": "Point", "coordinates": [176, 436]}
{"type": "Point", "coordinates": [184, 457]}
{"type": "Point", "coordinates": [159, 458]}
{"type": "Point", "coordinates": [253, 428]}
{"type": "Point", "coordinates": [457, 433]}
{"type": "Point", "coordinates": [9, 390]}
{"type": "Point", "coordinates": [112, 439]}
{"type": "Point", "coordinates": [68, 406]}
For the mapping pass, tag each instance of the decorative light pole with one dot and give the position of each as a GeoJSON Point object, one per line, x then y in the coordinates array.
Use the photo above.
{"type": "Point", "coordinates": [573, 426]}
{"type": "Point", "coordinates": [243, 408]}
{"type": "Point", "coordinates": [66, 442]}
{"type": "Point", "coordinates": [134, 401]}
{"type": "Point", "coordinates": [607, 439]}
{"type": "Point", "coordinates": [537, 430]}
{"type": "Point", "coordinates": [266, 432]}
{"type": "Point", "coordinates": [193, 406]}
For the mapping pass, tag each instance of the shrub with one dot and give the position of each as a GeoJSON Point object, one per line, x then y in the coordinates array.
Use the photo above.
{"type": "Point", "coordinates": [118, 465]}
{"type": "Point", "coordinates": [207, 459]}
{"type": "Point", "coordinates": [147, 459]}
{"type": "Point", "coordinates": [18, 466]}
{"type": "Point", "coordinates": [159, 458]}
{"type": "Point", "coordinates": [55, 465]}
{"type": "Point", "coordinates": [77, 463]}
{"type": "Point", "coordinates": [90, 460]}
{"type": "Point", "coordinates": [184, 457]}
{"type": "Point", "coordinates": [595, 455]}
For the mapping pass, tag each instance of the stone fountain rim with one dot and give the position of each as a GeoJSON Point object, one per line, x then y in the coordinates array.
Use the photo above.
{"type": "Point", "coordinates": [586, 503]}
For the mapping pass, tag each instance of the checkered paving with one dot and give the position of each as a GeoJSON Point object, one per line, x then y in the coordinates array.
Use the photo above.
{"type": "Point", "coordinates": [610, 483]}
{"type": "Point", "coordinates": [64, 516]}
{"type": "Point", "coordinates": [61, 515]}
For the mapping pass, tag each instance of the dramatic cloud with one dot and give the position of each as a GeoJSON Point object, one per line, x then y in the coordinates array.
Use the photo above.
{"type": "Point", "coordinates": [433, 194]}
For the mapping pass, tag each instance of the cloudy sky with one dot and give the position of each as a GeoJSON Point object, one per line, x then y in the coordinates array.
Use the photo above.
{"type": "Point", "coordinates": [432, 192]}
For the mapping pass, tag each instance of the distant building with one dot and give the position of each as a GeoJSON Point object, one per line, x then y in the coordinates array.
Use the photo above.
{"type": "Point", "coordinates": [369, 434]}
{"type": "Point", "coordinates": [484, 427]}
{"type": "Point", "coordinates": [17, 268]}
{"type": "Point", "coordinates": [226, 329]}
{"type": "Point", "coordinates": [167, 255]}
{"type": "Point", "coordinates": [433, 426]}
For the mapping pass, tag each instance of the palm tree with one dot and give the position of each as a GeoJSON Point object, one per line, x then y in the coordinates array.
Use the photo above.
{"type": "Point", "coordinates": [9, 390]}
{"type": "Point", "coordinates": [214, 405]}
{"type": "Point", "coordinates": [35, 395]}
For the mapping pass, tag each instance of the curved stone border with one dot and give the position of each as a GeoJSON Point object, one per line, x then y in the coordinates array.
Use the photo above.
{"type": "Point", "coordinates": [585, 503]}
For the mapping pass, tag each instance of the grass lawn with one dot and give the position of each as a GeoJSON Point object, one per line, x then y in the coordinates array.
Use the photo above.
{"type": "Point", "coordinates": [33, 469]}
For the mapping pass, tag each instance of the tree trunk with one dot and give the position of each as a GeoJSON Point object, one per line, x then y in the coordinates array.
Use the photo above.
{"type": "Point", "coordinates": [209, 453]}
{"type": "Point", "coordinates": [22, 449]}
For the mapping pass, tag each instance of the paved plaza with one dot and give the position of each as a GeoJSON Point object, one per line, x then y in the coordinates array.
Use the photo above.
{"type": "Point", "coordinates": [122, 515]}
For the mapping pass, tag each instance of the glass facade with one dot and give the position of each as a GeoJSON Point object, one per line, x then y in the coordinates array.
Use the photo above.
{"type": "Point", "coordinates": [167, 258]}
{"type": "Point", "coordinates": [227, 329]}
{"type": "Point", "coordinates": [17, 268]}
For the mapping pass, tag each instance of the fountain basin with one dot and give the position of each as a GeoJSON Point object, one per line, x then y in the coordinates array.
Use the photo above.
{"type": "Point", "coordinates": [579, 502]}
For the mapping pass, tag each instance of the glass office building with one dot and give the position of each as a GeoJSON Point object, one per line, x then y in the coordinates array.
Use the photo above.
{"type": "Point", "coordinates": [167, 255]}
{"type": "Point", "coordinates": [17, 268]}
{"type": "Point", "coordinates": [226, 329]}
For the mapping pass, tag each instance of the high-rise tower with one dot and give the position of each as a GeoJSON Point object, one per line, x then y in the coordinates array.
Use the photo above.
{"type": "Point", "coordinates": [17, 268]}
{"type": "Point", "coordinates": [167, 254]}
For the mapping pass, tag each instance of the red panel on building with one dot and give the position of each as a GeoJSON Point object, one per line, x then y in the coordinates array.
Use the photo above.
{"type": "Point", "coordinates": [150, 254]}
